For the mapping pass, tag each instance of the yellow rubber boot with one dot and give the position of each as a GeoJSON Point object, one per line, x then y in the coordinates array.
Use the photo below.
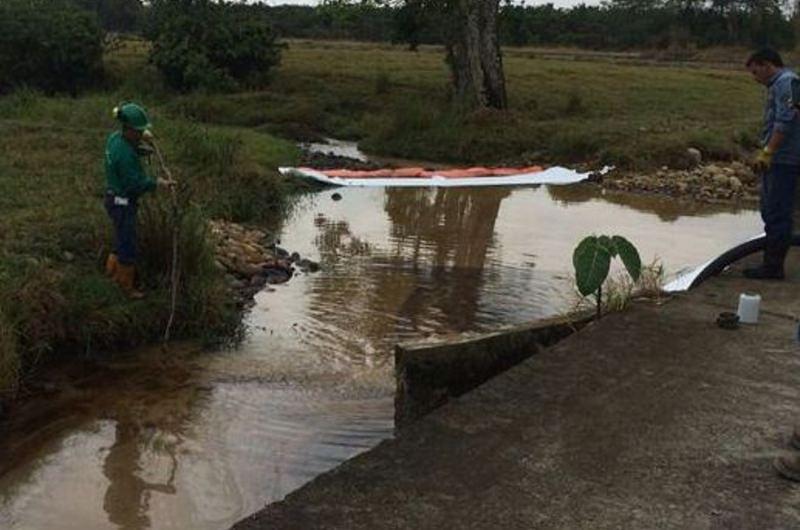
{"type": "Point", "coordinates": [124, 278]}
{"type": "Point", "coordinates": [111, 265]}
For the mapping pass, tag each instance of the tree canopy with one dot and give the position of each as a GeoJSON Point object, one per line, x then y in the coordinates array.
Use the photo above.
{"type": "Point", "coordinates": [211, 45]}
{"type": "Point", "coordinates": [51, 45]}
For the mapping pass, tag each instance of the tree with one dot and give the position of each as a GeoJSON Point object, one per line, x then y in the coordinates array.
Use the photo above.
{"type": "Point", "coordinates": [211, 45]}
{"type": "Point", "coordinates": [52, 45]}
{"type": "Point", "coordinates": [473, 53]}
{"type": "Point", "coordinates": [116, 15]}
{"type": "Point", "coordinates": [469, 31]}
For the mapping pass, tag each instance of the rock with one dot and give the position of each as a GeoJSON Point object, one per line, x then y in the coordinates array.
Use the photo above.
{"type": "Point", "coordinates": [336, 197]}
{"type": "Point", "coordinates": [68, 256]}
{"type": "Point", "coordinates": [274, 276]}
{"type": "Point", "coordinates": [233, 282]}
{"type": "Point", "coordinates": [734, 183]}
{"type": "Point", "coordinates": [227, 261]}
{"type": "Point", "coordinates": [694, 156]}
{"type": "Point", "coordinates": [720, 180]}
{"type": "Point", "coordinates": [258, 281]}
{"type": "Point", "coordinates": [294, 257]}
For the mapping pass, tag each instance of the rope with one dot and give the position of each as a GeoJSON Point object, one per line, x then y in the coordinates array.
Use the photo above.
{"type": "Point", "coordinates": [174, 272]}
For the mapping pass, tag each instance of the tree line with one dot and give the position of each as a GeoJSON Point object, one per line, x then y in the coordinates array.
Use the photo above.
{"type": "Point", "coordinates": [614, 25]}
{"type": "Point", "coordinates": [57, 45]}
{"type": "Point", "coordinates": [226, 45]}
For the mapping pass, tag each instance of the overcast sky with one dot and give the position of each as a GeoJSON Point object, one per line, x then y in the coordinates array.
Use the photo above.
{"type": "Point", "coordinates": [557, 3]}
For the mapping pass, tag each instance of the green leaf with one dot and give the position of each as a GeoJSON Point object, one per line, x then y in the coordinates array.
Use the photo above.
{"type": "Point", "coordinates": [608, 244]}
{"type": "Point", "coordinates": [592, 261]}
{"type": "Point", "coordinates": [629, 256]}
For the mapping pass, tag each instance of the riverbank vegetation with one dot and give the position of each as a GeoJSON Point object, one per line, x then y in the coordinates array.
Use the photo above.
{"type": "Point", "coordinates": [225, 146]}
{"type": "Point", "coordinates": [54, 235]}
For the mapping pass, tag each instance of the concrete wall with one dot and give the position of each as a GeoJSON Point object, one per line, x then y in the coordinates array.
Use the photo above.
{"type": "Point", "coordinates": [429, 374]}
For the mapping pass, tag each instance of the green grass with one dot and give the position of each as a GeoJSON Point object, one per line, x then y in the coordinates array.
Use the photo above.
{"type": "Point", "coordinates": [54, 234]}
{"type": "Point", "coordinates": [396, 103]}
{"type": "Point", "coordinates": [54, 299]}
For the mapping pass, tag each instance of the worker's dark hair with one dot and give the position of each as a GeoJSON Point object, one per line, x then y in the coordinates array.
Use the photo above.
{"type": "Point", "coordinates": [765, 55]}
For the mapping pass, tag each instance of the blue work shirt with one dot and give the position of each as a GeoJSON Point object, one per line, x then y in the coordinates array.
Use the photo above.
{"type": "Point", "coordinates": [780, 115]}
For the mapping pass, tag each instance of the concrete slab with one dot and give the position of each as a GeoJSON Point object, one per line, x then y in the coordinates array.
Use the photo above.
{"type": "Point", "coordinates": [651, 418]}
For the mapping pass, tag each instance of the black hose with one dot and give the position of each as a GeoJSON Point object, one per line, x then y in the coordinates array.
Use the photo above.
{"type": "Point", "coordinates": [733, 255]}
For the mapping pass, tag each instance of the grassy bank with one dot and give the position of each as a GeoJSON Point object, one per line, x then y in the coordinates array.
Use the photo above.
{"type": "Point", "coordinates": [54, 234]}
{"type": "Point", "coordinates": [396, 103]}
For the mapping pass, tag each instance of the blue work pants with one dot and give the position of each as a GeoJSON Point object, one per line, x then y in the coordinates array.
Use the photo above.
{"type": "Point", "coordinates": [123, 219]}
{"type": "Point", "coordinates": [778, 185]}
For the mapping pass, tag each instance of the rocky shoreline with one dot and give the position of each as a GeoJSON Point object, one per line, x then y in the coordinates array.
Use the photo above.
{"type": "Point", "coordinates": [713, 182]}
{"type": "Point", "coordinates": [251, 260]}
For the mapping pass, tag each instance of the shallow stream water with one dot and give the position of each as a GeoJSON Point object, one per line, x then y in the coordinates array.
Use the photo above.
{"type": "Point", "coordinates": [201, 439]}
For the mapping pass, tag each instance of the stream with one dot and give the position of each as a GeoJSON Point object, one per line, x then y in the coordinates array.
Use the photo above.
{"type": "Point", "coordinates": [198, 439]}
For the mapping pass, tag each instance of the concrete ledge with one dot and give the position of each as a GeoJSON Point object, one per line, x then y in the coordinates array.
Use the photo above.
{"type": "Point", "coordinates": [429, 374]}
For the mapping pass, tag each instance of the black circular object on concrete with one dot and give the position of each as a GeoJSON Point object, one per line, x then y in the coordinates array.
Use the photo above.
{"type": "Point", "coordinates": [728, 320]}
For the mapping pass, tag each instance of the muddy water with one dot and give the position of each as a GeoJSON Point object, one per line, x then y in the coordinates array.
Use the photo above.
{"type": "Point", "coordinates": [200, 439]}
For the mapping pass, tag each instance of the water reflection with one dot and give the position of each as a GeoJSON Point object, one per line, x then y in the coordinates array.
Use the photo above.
{"type": "Point", "coordinates": [668, 209]}
{"type": "Point", "coordinates": [127, 499]}
{"type": "Point", "coordinates": [456, 228]}
{"type": "Point", "coordinates": [148, 445]}
{"type": "Point", "coordinates": [426, 276]}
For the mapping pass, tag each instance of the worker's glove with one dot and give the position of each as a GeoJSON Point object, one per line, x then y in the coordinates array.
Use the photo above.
{"type": "Point", "coordinates": [762, 160]}
{"type": "Point", "coordinates": [147, 136]}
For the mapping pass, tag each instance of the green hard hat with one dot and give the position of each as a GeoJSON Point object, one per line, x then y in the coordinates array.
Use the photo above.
{"type": "Point", "coordinates": [132, 115]}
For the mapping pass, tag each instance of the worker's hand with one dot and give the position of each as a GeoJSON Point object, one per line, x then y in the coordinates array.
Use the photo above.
{"type": "Point", "coordinates": [762, 160]}
{"type": "Point", "coordinates": [148, 137]}
{"type": "Point", "coordinates": [167, 183]}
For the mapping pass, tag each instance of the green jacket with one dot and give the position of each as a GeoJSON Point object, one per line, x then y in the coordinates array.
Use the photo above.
{"type": "Point", "coordinates": [125, 176]}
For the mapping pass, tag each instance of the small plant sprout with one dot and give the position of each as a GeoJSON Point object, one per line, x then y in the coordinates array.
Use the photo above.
{"type": "Point", "coordinates": [592, 261]}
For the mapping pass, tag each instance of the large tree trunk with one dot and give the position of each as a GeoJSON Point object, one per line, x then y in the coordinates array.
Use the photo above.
{"type": "Point", "coordinates": [473, 53]}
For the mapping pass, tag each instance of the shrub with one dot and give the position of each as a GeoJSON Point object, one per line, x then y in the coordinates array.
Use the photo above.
{"type": "Point", "coordinates": [213, 46]}
{"type": "Point", "coordinates": [51, 45]}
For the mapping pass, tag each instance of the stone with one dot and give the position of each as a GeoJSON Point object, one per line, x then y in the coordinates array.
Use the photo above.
{"type": "Point", "coordinates": [274, 276]}
{"type": "Point", "coordinates": [720, 180]}
{"type": "Point", "coordinates": [258, 281]}
{"type": "Point", "coordinates": [694, 156]}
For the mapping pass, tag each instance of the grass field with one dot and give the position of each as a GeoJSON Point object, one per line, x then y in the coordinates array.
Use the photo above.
{"type": "Point", "coordinates": [396, 103]}
{"type": "Point", "coordinates": [225, 148]}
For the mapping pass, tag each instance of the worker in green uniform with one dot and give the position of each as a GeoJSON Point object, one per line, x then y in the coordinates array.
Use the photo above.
{"type": "Point", "coordinates": [126, 182]}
